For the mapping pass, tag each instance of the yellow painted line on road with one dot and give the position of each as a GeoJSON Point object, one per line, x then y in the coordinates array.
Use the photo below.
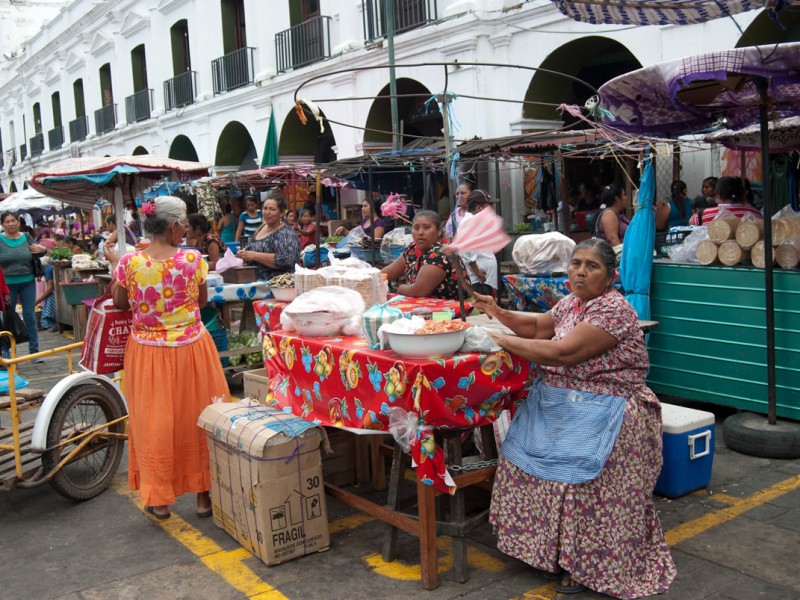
{"type": "Point", "coordinates": [742, 505]}
{"type": "Point", "coordinates": [690, 529]}
{"type": "Point", "coordinates": [227, 564]}
{"type": "Point", "coordinates": [351, 522]}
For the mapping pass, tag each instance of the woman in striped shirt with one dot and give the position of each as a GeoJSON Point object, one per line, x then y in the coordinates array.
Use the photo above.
{"type": "Point", "coordinates": [250, 220]}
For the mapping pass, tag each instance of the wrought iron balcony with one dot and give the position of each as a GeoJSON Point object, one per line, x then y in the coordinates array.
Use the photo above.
{"type": "Point", "coordinates": [105, 119]}
{"type": "Point", "coordinates": [181, 90]}
{"type": "Point", "coordinates": [37, 144]}
{"type": "Point", "coordinates": [303, 44]}
{"type": "Point", "coordinates": [233, 70]}
{"type": "Point", "coordinates": [56, 137]}
{"type": "Point", "coordinates": [138, 106]}
{"type": "Point", "coordinates": [23, 152]}
{"type": "Point", "coordinates": [78, 129]}
{"type": "Point", "coordinates": [408, 14]}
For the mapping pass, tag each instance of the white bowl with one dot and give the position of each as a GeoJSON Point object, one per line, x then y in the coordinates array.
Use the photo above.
{"type": "Point", "coordinates": [426, 345]}
{"type": "Point", "coordinates": [319, 324]}
{"type": "Point", "coordinates": [284, 294]}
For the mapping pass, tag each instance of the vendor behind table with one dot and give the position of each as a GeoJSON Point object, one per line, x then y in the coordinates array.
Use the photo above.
{"type": "Point", "coordinates": [274, 247]}
{"type": "Point", "coordinates": [579, 504]}
{"type": "Point", "coordinates": [427, 270]}
{"type": "Point", "coordinates": [201, 237]}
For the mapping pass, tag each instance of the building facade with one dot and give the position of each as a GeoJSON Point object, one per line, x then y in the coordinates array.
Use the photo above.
{"type": "Point", "coordinates": [200, 79]}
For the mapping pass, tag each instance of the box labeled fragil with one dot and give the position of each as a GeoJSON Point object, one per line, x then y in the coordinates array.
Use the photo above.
{"type": "Point", "coordinates": [266, 480]}
{"type": "Point", "coordinates": [688, 450]}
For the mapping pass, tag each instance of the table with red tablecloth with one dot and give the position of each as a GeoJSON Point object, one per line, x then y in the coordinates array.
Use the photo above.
{"type": "Point", "coordinates": [341, 382]}
{"type": "Point", "coordinates": [268, 312]}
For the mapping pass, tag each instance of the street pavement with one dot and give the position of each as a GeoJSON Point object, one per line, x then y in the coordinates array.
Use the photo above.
{"type": "Point", "coordinates": [736, 540]}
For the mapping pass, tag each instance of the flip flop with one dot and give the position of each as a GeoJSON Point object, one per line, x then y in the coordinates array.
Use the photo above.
{"type": "Point", "coordinates": [159, 516]}
{"type": "Point", "coordinates": [205, 514]}
{"type": "Point", "coordinates": [553, 576]}
{"type": "Point", "coordinates": [576, 588]}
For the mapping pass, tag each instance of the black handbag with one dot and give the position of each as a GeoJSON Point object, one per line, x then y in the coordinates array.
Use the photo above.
{"type": "Point", "coordinates": [38, 267]}
{"type": "Point", "coordinates": [13, 324]}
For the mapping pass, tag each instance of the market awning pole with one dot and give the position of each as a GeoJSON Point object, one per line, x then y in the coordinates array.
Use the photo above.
{"type": "Point", "coordinates": [318, 210]}
{"type": "Point", "coordinates": [371, 211]}
{"type": "Point", "coordinates": [772, 409]}
{"type": "Point", "coordinates": [119, 209]}
{"type": "Point", "coordinates": [388, 6]}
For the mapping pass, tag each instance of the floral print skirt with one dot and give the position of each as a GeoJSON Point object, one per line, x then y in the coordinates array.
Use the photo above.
{"type": "Point", "coordinates": [605, 532]}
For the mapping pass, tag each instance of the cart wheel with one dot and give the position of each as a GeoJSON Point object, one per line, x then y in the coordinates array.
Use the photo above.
{"type": "Point", "coordinates": [90, 472]}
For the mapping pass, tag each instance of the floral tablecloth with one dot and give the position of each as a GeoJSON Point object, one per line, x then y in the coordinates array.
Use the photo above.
{"type": "Point", "coordinates": [238, 292]}
{"type": "Point", "coordinates": [268, 312]}
{"type": "Point", "coordinates": [542, 292]}
{"type": "Point", "coordinates": [341, 382]}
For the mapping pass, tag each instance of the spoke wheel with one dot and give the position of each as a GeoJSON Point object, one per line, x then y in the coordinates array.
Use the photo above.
{"type": "Point", "coordinates": [90, 472]}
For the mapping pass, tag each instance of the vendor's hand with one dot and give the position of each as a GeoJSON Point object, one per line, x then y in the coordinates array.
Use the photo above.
{"type": "Point", "coordinates": [341, 230]}
{"type": "Point", "coordinates": [248, 255]}
{"type": "Point", "coordinates": [110, 252]}
{"type": "Point", "coordinates": [37, 248]}
{"type": "Point", "coordinates": [486, 305]}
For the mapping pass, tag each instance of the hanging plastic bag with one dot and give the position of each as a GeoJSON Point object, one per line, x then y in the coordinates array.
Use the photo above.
{"type": "Point", "coordinates": [403, 426]}
{"type": "Point", "coordinates": [393, 244]}
{"type": "Point", "coordinates": [107, 331]}
{"type": "Point", "coordinates": [228, 261]}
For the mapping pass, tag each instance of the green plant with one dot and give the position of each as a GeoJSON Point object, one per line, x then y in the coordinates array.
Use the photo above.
{"type": "Point", "coordinates": [334, 239]}
{"type": "Point", "coordinates": [522, 227]}
{"type": "Point", "coordinates": [60, 253]}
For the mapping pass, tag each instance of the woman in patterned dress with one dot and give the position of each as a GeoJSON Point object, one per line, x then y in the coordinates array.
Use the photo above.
{"type": "Point", "coordinates": [595, 530]}
{"type": "Point", "coordinates": [172, 369]}
{"type": "Point", "coordinates": [275, 247]}
{"type": "Point", "coordinates": [427, 270]}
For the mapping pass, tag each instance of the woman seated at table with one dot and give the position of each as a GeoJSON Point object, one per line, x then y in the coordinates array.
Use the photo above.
{"type": "Point", "coordinates": [426, 269]}
{"type": "Point", "coordinates": [677, 211]}
{"type": "Point", "coordinates": [202, 238]}
{"type": "Point", "coordinates": [370, 225]}
{"type": "Point", "coordinates": [612, 222]}
{"type": "Point", "coordinates": [588, 522]}
{"type": "Point", "coordinates": [732, 197]}
{"type": "Point", "coordinates": [275, 247]}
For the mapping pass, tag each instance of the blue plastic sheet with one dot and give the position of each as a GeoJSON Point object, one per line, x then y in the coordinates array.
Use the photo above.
{"type": "Point", "coordinates": [19, 382]}
{"type": "Point", "coordinates": [636, 266]}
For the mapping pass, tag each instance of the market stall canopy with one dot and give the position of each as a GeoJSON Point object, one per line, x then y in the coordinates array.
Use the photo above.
{"type": "Point", "coordinates": [689, 95]}
{"type": "Point", "coordinates": [784, 136]}
{"type": "Point", "coordinates": [662, 12]}
{"type": "Point", "coordinates": [30, 200]}
{"type": "Point", "coordinates": [269, 177]}
{"type": "Point", "coordinates": [79, 181]}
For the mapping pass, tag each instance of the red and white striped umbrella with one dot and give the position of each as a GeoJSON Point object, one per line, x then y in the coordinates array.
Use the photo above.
{"type": "Point", "coordinates": [483, 232]}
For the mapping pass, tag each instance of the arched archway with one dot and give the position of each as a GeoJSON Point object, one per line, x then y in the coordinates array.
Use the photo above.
{"type": "Point", "coordinates": [235, 148]}
{"type": "Point", "coordinates": [304, 143]}
{"type": "Point", "coordinates": [418, 120]}
{"type": "Point", "coordinates": [593, 59]}
{"type": "Point", "coordinates": [763, 30]}
{"type": "Point", "coordinates": [139, 151]}
{"type": "Point", "coordinates": [12, 188]}
{"type": "Point", "coordinates": [25, 186]}
{"type": "Point", "coordinates": [183, 149]}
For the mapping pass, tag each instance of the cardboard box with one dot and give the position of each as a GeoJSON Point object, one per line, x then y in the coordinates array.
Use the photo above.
{"type": "Point", "coordinates": [688, 450]}
{"type": "Point", "coordinates": [266, 480]}
{"type": "Point", "coordinates": [256, 384]}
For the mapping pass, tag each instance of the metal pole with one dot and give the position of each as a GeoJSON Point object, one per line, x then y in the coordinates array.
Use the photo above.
{"type": "Point", "coordinates": [119, 209]}
{"type": "Point", "coordinates": [388, 6]}
{"type": "Point", "coordinates": [318, 210]}
{"type": "Point", "coordinates": [374, 216]}
{"type": "Point", "coordinates": [772, 409]}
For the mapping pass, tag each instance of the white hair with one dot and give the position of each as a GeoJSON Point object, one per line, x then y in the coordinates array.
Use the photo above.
{"type": "Point", "coordinates": [169, 210]}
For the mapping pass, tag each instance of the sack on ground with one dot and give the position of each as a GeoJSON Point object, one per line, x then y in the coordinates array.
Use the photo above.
{"type": "Point", "coordinates": [107, 331]}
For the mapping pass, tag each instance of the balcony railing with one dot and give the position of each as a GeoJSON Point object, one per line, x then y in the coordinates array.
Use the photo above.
{"type": "Point", "coordinates": [138, 106]}
{"type": "Point", "coordinates": [408, 14]}
{"type": "Point", "coordinates": [105, 119]}
{"type": "Point", "coordinates": [37, 144]}
{"type": "Point", "coordinates": [56, 137]}
{"type": "Point", "coordinates": [303, 44]}
{"type": "Point", "coordinates": [23, 152]}
{"type": "Point", "coordinates": [233, 70]}
{"type": "Point", "coordinates": [180, 90]}
{"type": "Point", "coordinates": [11, 156]}
{"type": "Point", "coordinates": [78, 129]}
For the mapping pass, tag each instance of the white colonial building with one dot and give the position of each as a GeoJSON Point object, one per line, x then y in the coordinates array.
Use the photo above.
{"type": "Point", "coordinates": [199, 79]}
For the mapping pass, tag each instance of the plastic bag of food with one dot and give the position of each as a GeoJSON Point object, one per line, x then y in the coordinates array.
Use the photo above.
{"type": "Point", "coordinates": [686, 250]}
{"type": "Point", "coordinates": [543, 253]}
{"type": "Point", "coordinates": [403, 426]}
{"type": "Point", "coordinates": [228, 261]}
{"type": "Point", "coordinates": [325, 312]}
{"type": "Point", "coordinates": [393, 244]}
{"type": "Point", "coordinates": [478, 340]}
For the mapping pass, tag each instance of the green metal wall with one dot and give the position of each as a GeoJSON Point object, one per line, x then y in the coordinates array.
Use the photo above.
{"type": "Point", "coordinates": [711, 342]}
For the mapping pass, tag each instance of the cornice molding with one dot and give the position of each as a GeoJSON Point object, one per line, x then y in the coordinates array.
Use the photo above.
{"type": "Point", "coordinates": [74, 63]}
{"type": "Point", "coordinates": [52, 75]}
{"type": "Point", "coordinates": [100, 43]}
{"type": "Point", "coordinates": [167, 6]}
{"type": "Point", "coordinates": [133, 23]}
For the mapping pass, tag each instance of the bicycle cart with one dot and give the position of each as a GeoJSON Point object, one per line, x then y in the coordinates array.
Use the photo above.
{"type": "Point", "coordinates": [72, 436]}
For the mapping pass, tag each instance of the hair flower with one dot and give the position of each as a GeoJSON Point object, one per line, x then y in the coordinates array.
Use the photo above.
{"type": "Point", "coordinates": [149, 208]}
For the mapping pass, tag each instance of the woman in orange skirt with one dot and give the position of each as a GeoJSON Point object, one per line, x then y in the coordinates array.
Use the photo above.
{"type": "Point", "coordinates": [172, 370]}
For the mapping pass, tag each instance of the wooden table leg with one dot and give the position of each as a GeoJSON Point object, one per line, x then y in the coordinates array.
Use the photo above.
{"type": "Point", "coordinates": [394, 495]}
{"type": "Point", "coordinates": [427, 536]}
{"type": "Point", "coordinates": [378, 463]}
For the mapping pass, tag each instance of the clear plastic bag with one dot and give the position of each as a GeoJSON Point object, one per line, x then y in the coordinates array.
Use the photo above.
{"type": "Point", "coordinates": [393, 244]}
{"type": "Point", "coordinates": [403, 426]}
{"type": "Point", "coordinates": [478, 340]}
{"type": "Point", "coordinates": [543, 253]}
{"type": "Point", "coordinates": [228, 261]}
{"type": "Point", "coordinates": [686, 250]}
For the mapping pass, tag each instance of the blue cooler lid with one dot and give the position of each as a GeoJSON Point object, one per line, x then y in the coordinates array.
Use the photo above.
{"type": "Point", "coordinates": [679, 419]}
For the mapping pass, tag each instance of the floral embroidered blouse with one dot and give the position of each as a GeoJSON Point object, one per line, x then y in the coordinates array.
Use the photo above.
{"type": "Point", "coordinates": [164, 295]}
{"type": "Point", "coordinates": [435, 256]}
